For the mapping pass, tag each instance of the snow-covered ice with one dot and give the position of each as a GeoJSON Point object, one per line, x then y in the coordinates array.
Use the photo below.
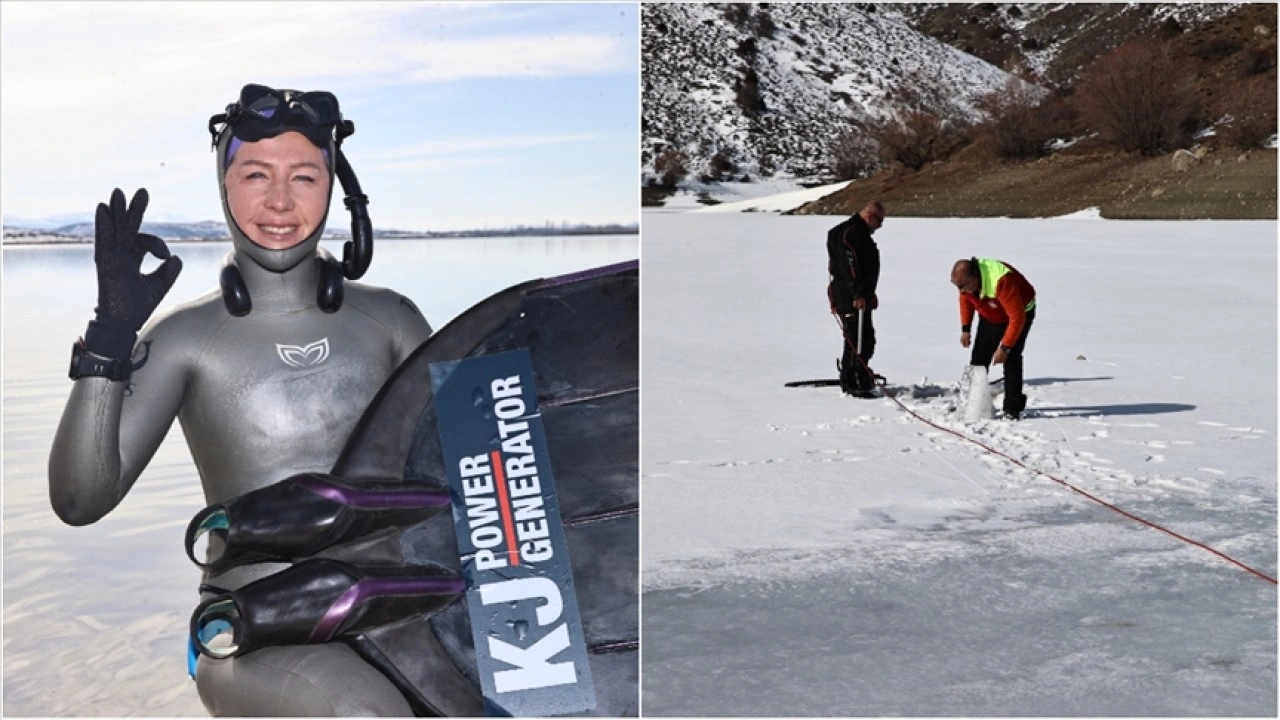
{"type": "Point", "coordinates": [806, 553]}
{"type": "Point", "coordinates": [767, 195]}
{"type": "Point", "coordinates": [1089, 213]}
{"type": "Point", "coordinates": [789, 199]}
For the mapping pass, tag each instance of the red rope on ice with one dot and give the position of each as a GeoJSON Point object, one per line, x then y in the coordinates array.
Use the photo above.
{"type": "Point", "coordinates": [1061, 482]}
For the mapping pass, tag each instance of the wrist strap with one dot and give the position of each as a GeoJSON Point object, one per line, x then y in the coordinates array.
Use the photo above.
{"type": "Point", "coordinates": [87, 364]}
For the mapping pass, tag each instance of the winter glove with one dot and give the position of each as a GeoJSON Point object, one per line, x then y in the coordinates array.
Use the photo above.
{"type": "Point", "coordinates": [126, 297]}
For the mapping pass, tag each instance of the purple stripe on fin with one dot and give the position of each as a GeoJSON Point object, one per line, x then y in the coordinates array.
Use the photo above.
{"type": "Point", "coordinates": [380, 587]}
{"type": "Point", "coordinates": [374, 499]}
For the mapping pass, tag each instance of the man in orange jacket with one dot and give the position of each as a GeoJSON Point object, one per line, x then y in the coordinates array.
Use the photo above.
{"type": "Point", "coordinates": [1006, 304]}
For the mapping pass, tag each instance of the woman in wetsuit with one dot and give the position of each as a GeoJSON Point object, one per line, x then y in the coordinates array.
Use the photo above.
{"type": "Point", "coordinates": [267, 375]}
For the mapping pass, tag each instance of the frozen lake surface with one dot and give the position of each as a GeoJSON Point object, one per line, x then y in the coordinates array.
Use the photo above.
{"type": "Point", "coordinates": [807, 553]}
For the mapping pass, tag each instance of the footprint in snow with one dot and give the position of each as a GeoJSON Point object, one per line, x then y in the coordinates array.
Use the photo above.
{"type": "Point", "coordinates": [831, 456]}
{"type": "Point", "coordinates": [1106, 622]}
{"type": "Point", "coordinates": [1155, 458]}
{"type": "Point", "coordinates": [879, 516]}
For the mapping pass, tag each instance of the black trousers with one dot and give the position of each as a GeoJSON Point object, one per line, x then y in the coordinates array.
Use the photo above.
{"type": "Point", "coordinates": [984, 348]}
{"type": "Point", "coordinates": [853, 374]}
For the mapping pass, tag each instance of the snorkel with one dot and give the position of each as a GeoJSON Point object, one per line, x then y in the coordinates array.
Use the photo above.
{"type": "Point", "coordinates": [263, 112]}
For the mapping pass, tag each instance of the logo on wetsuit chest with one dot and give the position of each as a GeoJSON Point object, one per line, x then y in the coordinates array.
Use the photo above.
{"type": "Point", "coordinates": [300, 356]}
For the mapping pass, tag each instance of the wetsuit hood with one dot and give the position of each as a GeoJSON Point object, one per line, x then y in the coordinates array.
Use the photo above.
{"type": "Point", "coordinates": [247, 250]}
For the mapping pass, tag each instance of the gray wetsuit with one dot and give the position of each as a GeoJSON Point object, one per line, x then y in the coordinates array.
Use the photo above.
{"type": "Point", "coordinates": [259, 397]}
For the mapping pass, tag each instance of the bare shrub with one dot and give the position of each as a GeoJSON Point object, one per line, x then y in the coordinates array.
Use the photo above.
{"type": "Point", "coordinates": [1170, 28]}
{"type": "Point", "coordinates": [1023, 119]}
{"type": "Point", "coordinates": [721, 165]}
{"type": "Point", "coordinates": [672, 166]}
{"type": "Point", "coordinates": [927, 124]}
{"type": "Point", "coordinates": [915, 138]}
{"type": "Point", "coordinates": [738, 13]}
{"type": "Point", "coordinates": [1252, 109]}
{"type": "Point", "coordinates": [1138, 98]}
{"type": "Point", "coordinates": [747, 93]}
{"type": "Point", "coordinates": [765, 26]}
{"type": "Point", "coordinates": [854, 154]}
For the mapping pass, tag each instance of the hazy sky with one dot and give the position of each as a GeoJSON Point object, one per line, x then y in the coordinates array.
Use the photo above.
{"type": "Point", "coordinates": [467, 115]}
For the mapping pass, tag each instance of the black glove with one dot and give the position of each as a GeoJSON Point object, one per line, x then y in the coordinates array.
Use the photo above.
{"type": "Point", "coordinates": [126, 297]}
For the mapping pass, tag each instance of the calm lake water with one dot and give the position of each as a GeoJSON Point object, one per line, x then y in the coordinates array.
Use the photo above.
{"type": "Point", "coordinates": [95, 618]}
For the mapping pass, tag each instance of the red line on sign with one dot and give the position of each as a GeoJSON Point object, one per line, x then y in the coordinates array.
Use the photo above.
{"type": "Point", "coordinates": [504, 501]}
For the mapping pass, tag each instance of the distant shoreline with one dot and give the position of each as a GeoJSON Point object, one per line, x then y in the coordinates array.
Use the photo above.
{"type": "Point", "coordinates": [36, 238]}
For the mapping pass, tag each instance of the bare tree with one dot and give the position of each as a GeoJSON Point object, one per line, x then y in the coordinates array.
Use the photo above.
{"type": "Point", "coordinates": [1139, 98]}
{"type": "Point", "coordinates": [1022, 119]}
{"type": "Point", "coordinates": [854, 154]}
{"type": "Point", "coordinates": [927, 123]}
{"type": "Point", "coordinates": [672, 166]}
{"type": "Point", "coordinates": [1251, 107]}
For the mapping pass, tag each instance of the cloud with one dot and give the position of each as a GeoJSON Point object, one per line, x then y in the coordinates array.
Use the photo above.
{"type": "Point", "coordinates": [126, 72]}
{"type": "Point", "coordinates": [477, 144]}
{"type": "Point", "coordinates": [152, 56]}
{"type": "Point", "coordinates": [427, 163]}
{"type": "Point", "coordinates": [510, 56]}
{"type": "Point", "coordinates": [102, 94]}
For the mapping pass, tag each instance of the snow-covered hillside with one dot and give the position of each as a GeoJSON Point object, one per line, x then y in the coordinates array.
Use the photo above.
{"type": "Point", "coordinates": [807, 553]}
{"type": "Point", "coordinates": [818, 70]}
{"type": "Point", "coordinates": [1055, 41]}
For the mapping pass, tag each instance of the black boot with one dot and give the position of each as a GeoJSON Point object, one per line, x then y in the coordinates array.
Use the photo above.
{"type": "Point", "coordinates": [1013, 407]}
{"type": "Point", "coordinates": [863, 384]}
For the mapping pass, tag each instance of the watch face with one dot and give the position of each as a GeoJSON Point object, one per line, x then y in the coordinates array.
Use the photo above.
{"type": "Point", "coordinates": [74, 372]}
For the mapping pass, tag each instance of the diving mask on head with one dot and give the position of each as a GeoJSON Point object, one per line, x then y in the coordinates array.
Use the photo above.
{"type": "Point", "coordinates": [263, 112]}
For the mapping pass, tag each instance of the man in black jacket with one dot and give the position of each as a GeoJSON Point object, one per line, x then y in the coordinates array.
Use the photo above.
{"type": "Point", "coordinates": [853, 262]}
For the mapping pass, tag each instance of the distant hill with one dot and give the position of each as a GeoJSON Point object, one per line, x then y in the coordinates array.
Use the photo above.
{"type": "Point", "coordinates": [764, 90]}
{"type": "Point", "coordinates": [768, 87]}
{"type": "Point", "coordinates": [1054, 42]}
